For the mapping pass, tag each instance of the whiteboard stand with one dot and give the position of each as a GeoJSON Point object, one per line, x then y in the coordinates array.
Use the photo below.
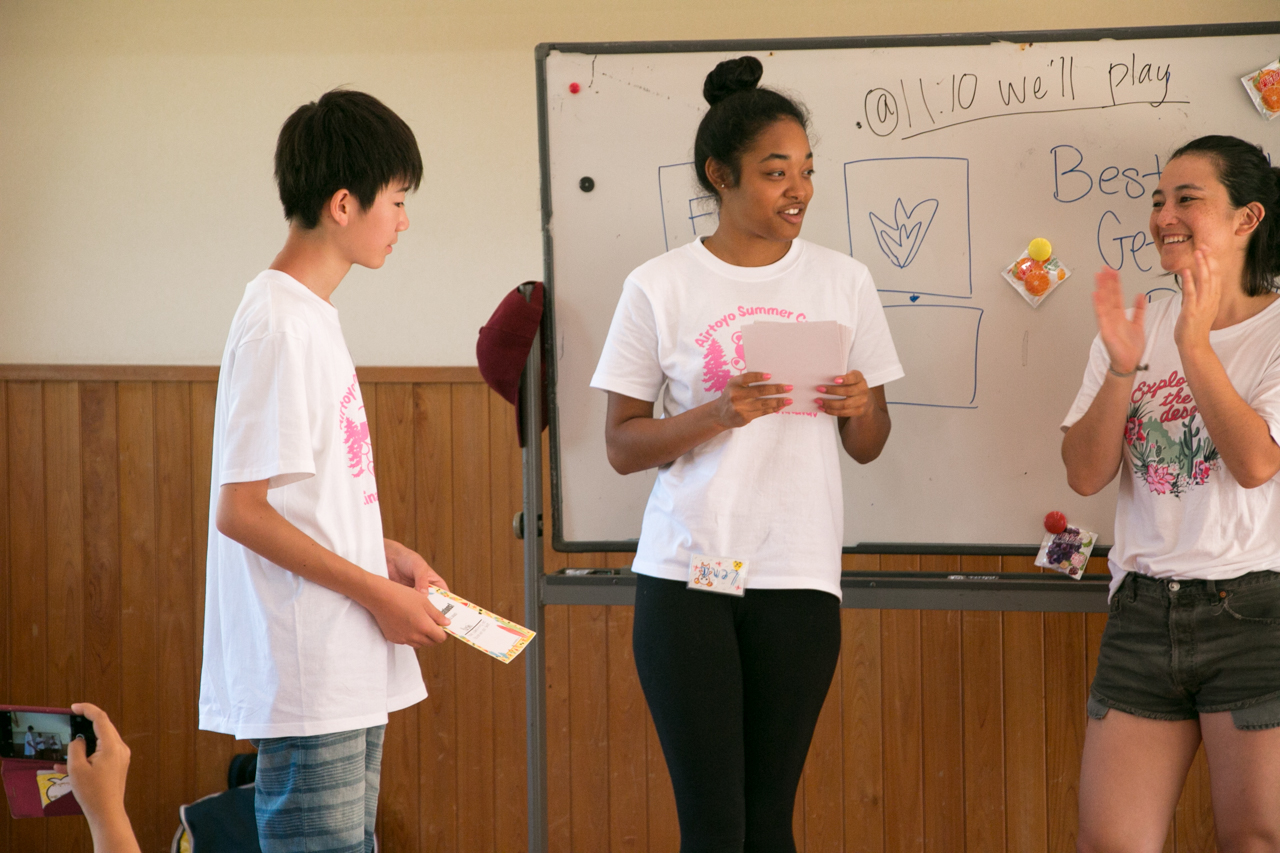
{"type": "Point", "coordinates": [529, 528]}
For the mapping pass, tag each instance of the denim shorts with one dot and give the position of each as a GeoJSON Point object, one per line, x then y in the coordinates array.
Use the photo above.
{"type": "Point", "coordinates": [1175, 649]}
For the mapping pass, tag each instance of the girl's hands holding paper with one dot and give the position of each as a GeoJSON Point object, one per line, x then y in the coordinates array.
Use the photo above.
{"type": "Point", "coordinates": [636, 441]}
{"type": "Point", "coordinates": [861, 412]}
{"type": "Point", "coordinates": [855, 396]}
{"type": "Point", "coordinates": [743, 400]}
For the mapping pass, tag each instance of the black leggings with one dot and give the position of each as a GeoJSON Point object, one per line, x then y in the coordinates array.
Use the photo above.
{"type": "Point", "coordinates": [735, 686]}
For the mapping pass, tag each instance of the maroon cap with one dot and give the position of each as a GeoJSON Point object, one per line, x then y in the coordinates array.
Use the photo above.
{"type": "Point", "coordinates": [504, 344]}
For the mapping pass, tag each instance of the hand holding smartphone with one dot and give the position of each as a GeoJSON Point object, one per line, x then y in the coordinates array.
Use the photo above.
{"type": "Point", "coordinates": [33, 740]}
{"type": "Point", "coordinates": [42, 734]}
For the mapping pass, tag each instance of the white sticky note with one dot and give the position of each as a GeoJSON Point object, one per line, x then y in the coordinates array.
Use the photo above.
{"type": "Point", "coordinates": [804, 355]}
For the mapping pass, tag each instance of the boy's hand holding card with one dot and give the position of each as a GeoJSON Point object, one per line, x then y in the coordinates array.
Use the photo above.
{"type": "Point", "coordinates": [475, 626]}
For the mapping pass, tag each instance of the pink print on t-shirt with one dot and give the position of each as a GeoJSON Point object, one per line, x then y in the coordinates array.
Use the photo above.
{"type": "Point", "coordinates": [717, 370]}
{"type": "Point", "coordinates": [355, 433]}
{"type": "Point", "coordinates": [715, 373]}
{"type": "Point", "coordinates": [739, 354]}
{"type": "Point", "coordinates": [1168, 447]}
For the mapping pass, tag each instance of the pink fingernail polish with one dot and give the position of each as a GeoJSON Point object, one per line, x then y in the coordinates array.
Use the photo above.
{"type": "Point", "coordinates": [788, 401]}
{"type": "Point", "coordinates": [839, 379]}
{"type": "Point", "coordinates": [822, 388]}
{"type": "Point", "coordinates": [787, 387]}
{"type": "Point", "coordinates": [768, 376]}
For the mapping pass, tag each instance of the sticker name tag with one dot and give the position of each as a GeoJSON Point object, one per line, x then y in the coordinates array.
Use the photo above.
{"type": "Point", "coordinates": [717, 574]}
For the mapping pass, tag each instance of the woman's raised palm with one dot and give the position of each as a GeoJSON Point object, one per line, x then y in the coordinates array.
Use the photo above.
{"type": "Point", "coordinates": [1122, 335]}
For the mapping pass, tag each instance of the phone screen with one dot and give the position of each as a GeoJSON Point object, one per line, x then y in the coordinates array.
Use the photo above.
{"type": "Point", "coordinates": [42, 736]}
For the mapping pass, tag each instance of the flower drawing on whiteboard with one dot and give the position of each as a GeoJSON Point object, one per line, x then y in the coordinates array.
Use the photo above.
{"type": "Point", "coordinates": [901, 241]}
{"type": "Point", "coordinates": [919, 241]}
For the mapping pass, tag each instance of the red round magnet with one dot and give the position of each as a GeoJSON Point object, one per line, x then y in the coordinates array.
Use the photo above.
{"type": "Point", "coordinates": [574, 88]}
{"type": "Point", "coordinates": [1055, 522]}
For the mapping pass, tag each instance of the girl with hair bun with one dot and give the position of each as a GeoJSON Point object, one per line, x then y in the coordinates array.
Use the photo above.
{"type": "Point", "coordinates": [735, 682]}
{"type": "Point", "coordinates": [1182, 399]}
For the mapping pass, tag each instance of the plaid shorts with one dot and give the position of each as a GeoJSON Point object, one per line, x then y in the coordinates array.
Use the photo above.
{"type": "Point", "coordinates": [318, 793]}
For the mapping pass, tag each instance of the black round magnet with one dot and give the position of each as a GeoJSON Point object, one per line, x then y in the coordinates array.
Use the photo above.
{"type": "Point", "coordinates": [587, 184]}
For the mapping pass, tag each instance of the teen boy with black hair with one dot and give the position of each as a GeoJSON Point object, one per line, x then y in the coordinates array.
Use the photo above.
{"type": "Point", "coordinates": [310, 614]}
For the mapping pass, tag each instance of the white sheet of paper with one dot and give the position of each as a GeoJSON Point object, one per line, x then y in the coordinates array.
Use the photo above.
{"type": "Point", "coordinates": [804, 355]}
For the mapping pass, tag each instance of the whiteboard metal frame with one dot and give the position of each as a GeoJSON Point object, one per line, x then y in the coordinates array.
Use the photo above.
{"type": "Point", "coordinates": [1051, 593]}
{"type": "Point", "coordinates": [544, 50]}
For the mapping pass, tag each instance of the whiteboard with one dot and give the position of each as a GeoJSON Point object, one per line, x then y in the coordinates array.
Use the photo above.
{"type": "Point", "coordinates": [964, 148]}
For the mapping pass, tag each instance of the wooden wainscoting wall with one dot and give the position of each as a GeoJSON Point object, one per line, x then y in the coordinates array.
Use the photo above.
{"type": "Point", "coordinates": [943, 731]}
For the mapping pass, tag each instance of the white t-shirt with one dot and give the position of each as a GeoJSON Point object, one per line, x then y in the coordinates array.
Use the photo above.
{"type": "Point", "coordinates": [284, 656]}
{"type": "Point", "coordinates": [1181, 514]}
{"type": "Point", "coordinates": [768, 492]}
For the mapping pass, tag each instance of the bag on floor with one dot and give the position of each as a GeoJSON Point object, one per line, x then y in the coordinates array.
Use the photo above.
{"type": "Point", "coordinates": [222, 822]}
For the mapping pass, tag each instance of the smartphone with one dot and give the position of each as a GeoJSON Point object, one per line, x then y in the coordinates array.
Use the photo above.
{"type": "Point", "coordinates": [42, 734]}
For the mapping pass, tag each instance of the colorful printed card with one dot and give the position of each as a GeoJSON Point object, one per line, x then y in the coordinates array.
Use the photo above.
{"type": "Point", "coordinates": [1066, 552]}
{"type": "Point", "coordinates": [52, 785]}
{"type": "Point", "coordinates": [35, 789]}
{"type": "Point", "coordinates": [717, 574]}
{"type": "Point", "coordinates": [475, 626]}
{"type": "Point", "coordinates": [1263, 87]}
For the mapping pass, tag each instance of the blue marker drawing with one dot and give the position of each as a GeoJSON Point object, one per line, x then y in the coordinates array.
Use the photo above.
{"type": "Point", "coordinates": [687, 211]}
{"type": "Point", "coordinates": [711, 215]}
{"type": "Point", "coordinates": [1127, 244]}
{"type": "Point", "coordinates": [901, 241]}
{"type": "Point", "coordinates": [938, 348]}
{"type": "Point", "coordinates": [896, 251]}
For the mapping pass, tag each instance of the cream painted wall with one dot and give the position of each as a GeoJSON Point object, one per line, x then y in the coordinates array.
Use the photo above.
{"type": "Point", "coordinates": [136, 142]}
